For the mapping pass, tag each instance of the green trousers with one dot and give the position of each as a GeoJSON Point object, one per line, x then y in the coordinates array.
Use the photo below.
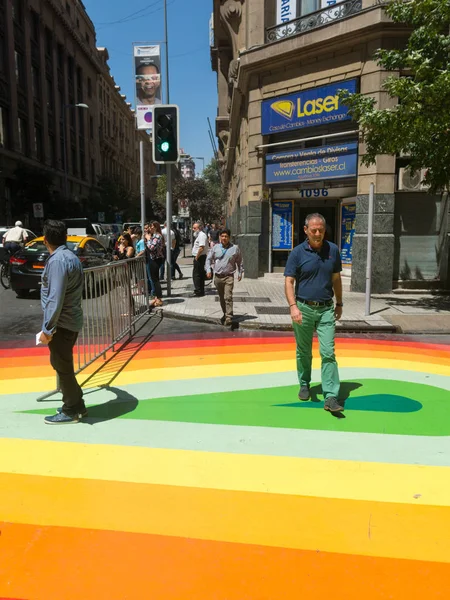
{"type": "Point", "coordinates": [323, 321]}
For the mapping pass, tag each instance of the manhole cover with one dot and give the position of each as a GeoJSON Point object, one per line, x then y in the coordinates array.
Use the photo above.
{"type": "Point", "coordinates": [248, 299]}
{"type": "Point", "coordinates": [272, 310]}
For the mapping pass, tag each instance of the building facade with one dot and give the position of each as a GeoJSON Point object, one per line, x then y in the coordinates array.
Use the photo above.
{"type": "Point", "coordinates": [49, 63]}
{"type": "Point", "coordinates": [288, 147]}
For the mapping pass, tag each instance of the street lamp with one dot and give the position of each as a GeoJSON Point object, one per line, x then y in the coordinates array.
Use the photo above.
{"type": "Point", "coordinates": [64, 108]}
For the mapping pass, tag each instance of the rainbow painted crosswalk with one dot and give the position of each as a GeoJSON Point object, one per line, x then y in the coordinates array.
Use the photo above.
{"type": "Point", "coordinates": [200, 475]}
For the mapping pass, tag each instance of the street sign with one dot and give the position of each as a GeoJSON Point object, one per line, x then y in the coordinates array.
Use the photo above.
{"type": "Point", "coordinates": [38, 210]}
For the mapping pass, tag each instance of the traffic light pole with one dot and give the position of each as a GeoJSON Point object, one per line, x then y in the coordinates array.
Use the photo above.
{"type": "Point", "coordinates": [168, 173]}
{"type": "Point", "coordinates": [169, 229]}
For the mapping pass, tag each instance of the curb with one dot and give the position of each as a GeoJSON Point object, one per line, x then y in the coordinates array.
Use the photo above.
{"type": "Point", "coordinates": [363, 328]}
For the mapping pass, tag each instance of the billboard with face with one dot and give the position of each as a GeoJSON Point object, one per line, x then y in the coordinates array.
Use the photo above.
{"type": "Point", "coordinates": [147, 68]}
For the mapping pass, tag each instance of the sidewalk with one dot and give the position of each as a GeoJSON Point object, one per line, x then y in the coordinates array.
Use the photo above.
{"type": "Point", "coordinates": [260, 304]}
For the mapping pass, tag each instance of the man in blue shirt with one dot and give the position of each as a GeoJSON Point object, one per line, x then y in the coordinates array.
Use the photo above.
{"type": "Point", "coordinates": [312, 278]}
{"type": "Point", "coordinates": [61, 296]}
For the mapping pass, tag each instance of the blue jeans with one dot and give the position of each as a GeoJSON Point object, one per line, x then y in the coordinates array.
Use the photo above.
{"type": "Point", "coordinates": [151, 285]}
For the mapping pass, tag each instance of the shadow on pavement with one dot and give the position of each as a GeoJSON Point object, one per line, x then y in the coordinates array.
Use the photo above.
{"type": "Point", "coordinates": [123, 404]}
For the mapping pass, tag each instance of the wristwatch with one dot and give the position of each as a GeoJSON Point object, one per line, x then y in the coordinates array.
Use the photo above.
{"type": "Point", "coordinates": [339, 304]}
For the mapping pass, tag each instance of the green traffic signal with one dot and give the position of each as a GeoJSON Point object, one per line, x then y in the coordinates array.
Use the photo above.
{"type": "Point", "coordinates": [165, 134]}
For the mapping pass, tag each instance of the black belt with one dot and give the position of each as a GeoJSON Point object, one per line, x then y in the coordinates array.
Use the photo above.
{"type": "Point", "coordinates": [317, 304]}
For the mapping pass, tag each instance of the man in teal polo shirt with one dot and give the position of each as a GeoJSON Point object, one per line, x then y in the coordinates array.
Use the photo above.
{"type": "Point", "coordinates": [312, 279]}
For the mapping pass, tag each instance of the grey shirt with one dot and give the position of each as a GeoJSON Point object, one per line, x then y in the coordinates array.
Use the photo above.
{"type": "Point", "coordinates": [225, 261]}
{"type": "Point", "coordinates": [62, 292]}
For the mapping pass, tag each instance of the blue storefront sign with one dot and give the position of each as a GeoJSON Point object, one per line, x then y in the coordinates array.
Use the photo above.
{"type": "Point", "coordinates": [311, 164]}
{"type": "Point", "coordinates": [311, 108]}
{"type": "Point", "coordinates": [347, 232]}
{"type": "Point", "coordinates": [282, 225]}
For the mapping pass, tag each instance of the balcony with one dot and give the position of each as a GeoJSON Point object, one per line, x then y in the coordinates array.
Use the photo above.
{"type": "Point", "coordinates": [314, 20]}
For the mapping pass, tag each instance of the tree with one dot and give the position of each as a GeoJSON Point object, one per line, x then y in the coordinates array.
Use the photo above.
{"type": "Point", "coordinates": [419, 125]}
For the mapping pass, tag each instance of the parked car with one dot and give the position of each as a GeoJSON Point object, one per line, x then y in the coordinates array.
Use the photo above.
{"type": "Point", "coordinates": [3, 230]}
{"type": "Point", "coordinates": [27, 264]}
{"type": "Point", "coordinates": [84, 226]}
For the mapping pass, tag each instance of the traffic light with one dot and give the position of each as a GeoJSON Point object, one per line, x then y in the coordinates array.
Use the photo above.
{"type": "Point", "coordinates": [165, 134]}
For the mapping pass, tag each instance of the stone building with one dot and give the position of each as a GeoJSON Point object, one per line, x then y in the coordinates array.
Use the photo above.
{"type": "Point", "coordinates": [49, 63]}
{"type": "Point", "coordinates": [288, 148]}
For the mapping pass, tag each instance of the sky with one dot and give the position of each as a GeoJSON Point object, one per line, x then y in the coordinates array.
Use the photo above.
{"type": "Point", "coordinates": [193, 84]}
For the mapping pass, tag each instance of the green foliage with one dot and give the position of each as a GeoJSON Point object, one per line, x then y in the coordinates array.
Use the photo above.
{"type": "Point", "coordinates": [419, 125]}
{"type": "Point", "coordinates": [204, 194]}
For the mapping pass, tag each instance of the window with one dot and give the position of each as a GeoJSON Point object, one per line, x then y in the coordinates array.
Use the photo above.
{"type": "Point", "coordinates": [17, 11]}
{"type": "Point", "coordinates": [38, 143]}
{"type": "Point", "coordinates": [78, 23]}
{"type": "Point", "coordinates": [50, 97]}
{"type": "Point", "coordinates": [91, 128]}
{"type": "Point", "coordinates": [35, 82]}
{"type": "Point", "coordinates": [88, 39]}
{"type": "Point", "coordinates": [48, 42]}
{"type": "Point", "coordinates": [60, 51]}
{"type": "Point", "coordinates": [73, 157]}
{"type": "Point", "coordinates": [82, 165]}
{"type": "Point", "coordinates": [70, 68]}
{"type": "Point", "coordinates": [52, 149]}
{"type": "Point", "coordinates": [89, 86]}
{"type": "Point", "coordinates": [4, 138]}
{"type": "Point", "coordinates": [19, 65]}
{"type": "Point", "coordinates": [34, 26]}
{"type": "Point", "coordinates": [93, 171]}
{"type": "Point", "coordinates": [23, 135]}
{"type": "Point", "coordinates": [67, 8]}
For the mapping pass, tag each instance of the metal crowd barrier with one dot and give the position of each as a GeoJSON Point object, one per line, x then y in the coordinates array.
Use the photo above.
{"type": "Point", "coordinates": [115, 298]}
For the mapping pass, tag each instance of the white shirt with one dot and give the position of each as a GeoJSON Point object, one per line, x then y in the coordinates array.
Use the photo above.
{"type": "Point", "coordinates": [172, 236]}
{"type": "Point", "coordinates": [200, 240]}
{"type": "Point", "coordinates": [15, 234]}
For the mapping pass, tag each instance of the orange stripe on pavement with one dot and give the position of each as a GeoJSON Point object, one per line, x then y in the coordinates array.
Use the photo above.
{"type": "Point", "coordinates": [106, 564]}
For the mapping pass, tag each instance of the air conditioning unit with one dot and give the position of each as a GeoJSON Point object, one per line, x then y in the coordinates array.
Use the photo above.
{"type": "Point", "coordinates": [411, 181]}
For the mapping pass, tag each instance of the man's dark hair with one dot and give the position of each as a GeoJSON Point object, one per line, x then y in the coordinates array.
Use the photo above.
{"type": "Point", "coordinates": [149, 64]}
{"type": "Point", "coordinates": [55, 232]}
{"type": "Point", "coordinates": [225, 230]}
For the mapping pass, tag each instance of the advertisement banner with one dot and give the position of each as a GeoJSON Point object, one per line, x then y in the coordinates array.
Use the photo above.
{"type": "Point", "coordinates": [326, 3]}
{"type": "Point", "coordinates": [311, 108]}
{"type": "Point", "coordinates": [147, 73]}
{"type": "Point", "coordinates": [311, 164]}
{"type": "Point", "coordinates": [282, 225]}
{"type": "Point", "coordinates": [286, 11]}
{"type": "Point", "coordinates": [347, 232]}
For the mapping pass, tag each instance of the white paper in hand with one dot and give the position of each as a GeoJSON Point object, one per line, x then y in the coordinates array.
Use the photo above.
{"type": "Point", "coordinates": [38, 339]}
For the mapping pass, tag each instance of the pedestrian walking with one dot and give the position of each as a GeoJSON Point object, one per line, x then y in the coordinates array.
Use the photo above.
{"type": "Point", "coordinates": [176, 253]}
{"type": "Point", "coordinates": [224, 259]}
{"type": "Point", "coordinates": [199, 252]}
{"type": "Point", "coordinates": [155, 249]}
{"type": "Point", "coordinates": [213, 235]}
{"type": "Point", "coordinates": [61, 296]}
{"type": "Point", "coordinates": [312, 279]}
